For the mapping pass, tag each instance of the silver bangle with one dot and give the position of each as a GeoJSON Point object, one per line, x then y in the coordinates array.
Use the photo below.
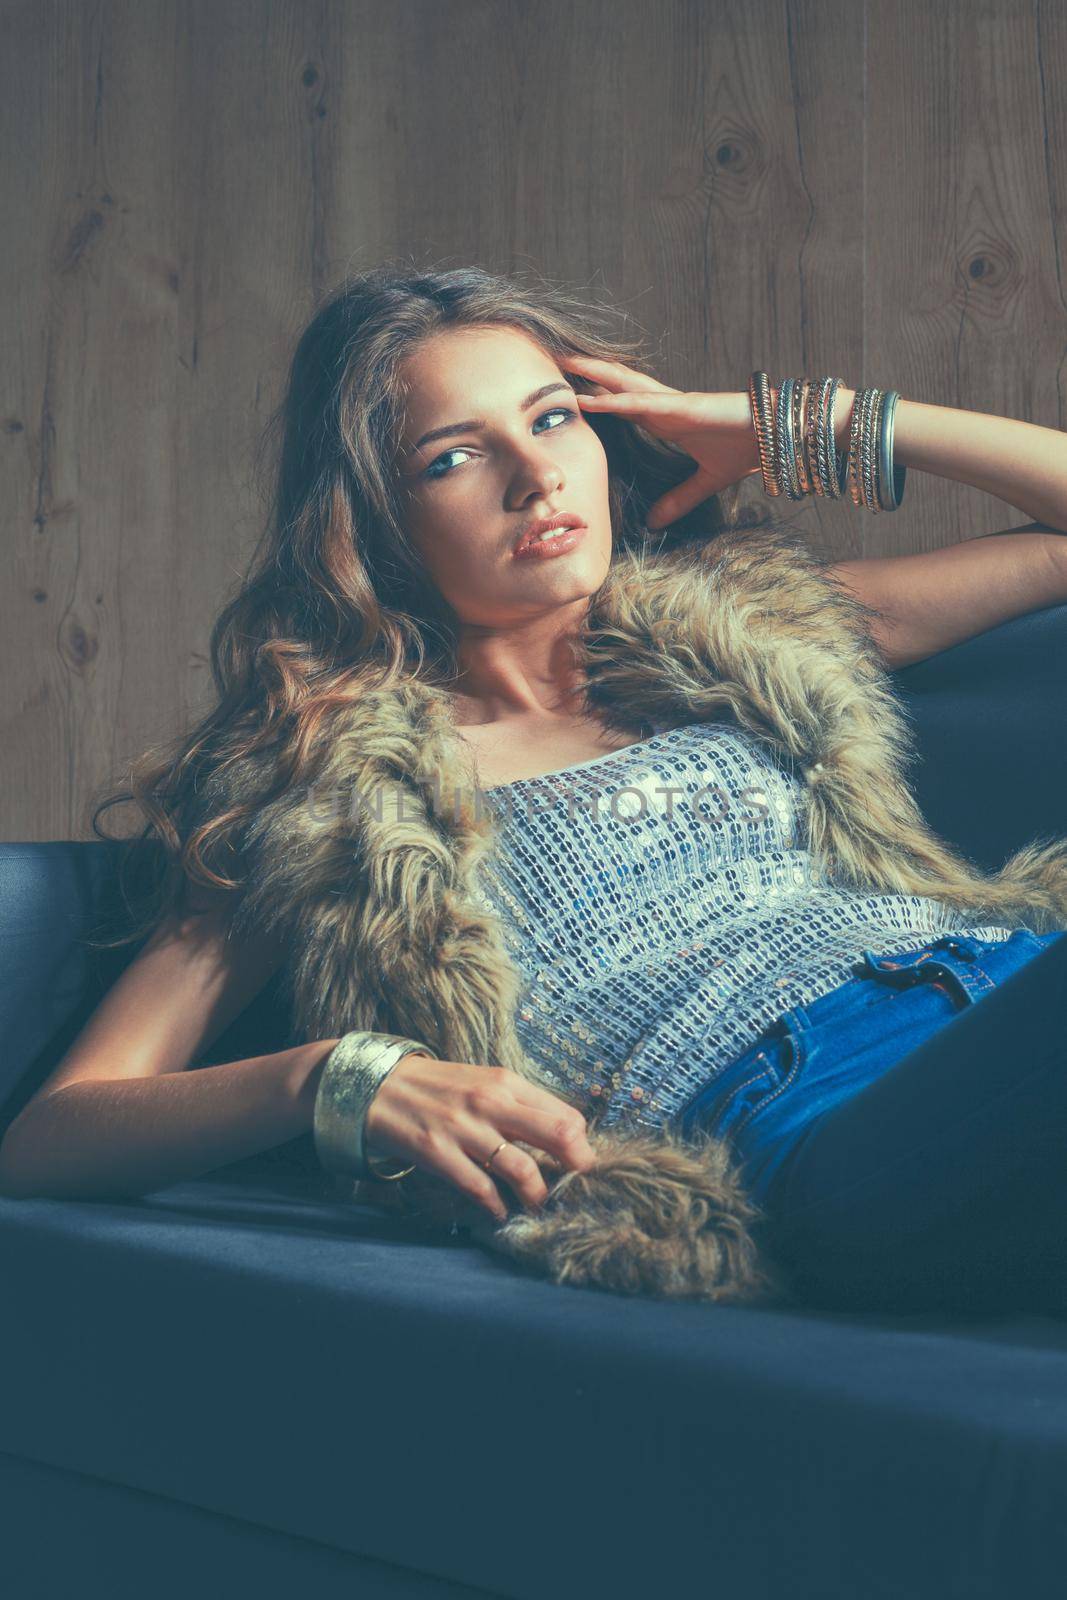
{"type": "Point", "coordinates": [355, 1070]}
{"type": "Point", "coordinates": [893, 477]}
{"type": "Point", "coordinates": [788, 477]}
{"type": "Point", "coordinates": [836, 468]}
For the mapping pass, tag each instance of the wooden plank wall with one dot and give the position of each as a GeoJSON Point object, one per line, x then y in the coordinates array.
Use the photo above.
{"type": "Point", "coordinates": [874, 188]}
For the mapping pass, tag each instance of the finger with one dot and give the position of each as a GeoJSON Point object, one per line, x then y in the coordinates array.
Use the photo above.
{"type": "Point", "coordinates": [469, 1177]}
{"type": "Point", "coordinates": [517, 1168]}
{"type": "Point", "coordinates": [540, 1100]}
{"type": "Point", "coordinates": [537, 1116]}
{"type": "Point", "coordinates": [560, 1131]}
{"type": "Point", "coordinates": [615, 375]}
{"type": "Point", "coordinates": [668, 403]}
{"type": "Point", "coordinates": [509, 1090]}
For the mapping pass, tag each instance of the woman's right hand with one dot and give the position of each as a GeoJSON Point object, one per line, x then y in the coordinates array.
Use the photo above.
{"type": "Point", "coordinates": [448, 1117]}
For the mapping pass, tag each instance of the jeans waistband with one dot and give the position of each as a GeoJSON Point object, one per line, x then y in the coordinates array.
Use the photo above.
{"type": "Point", "coordinates": [946, 962]}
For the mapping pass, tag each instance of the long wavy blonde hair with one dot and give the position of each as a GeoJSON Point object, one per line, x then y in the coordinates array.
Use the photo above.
{"type": "Point", "coordinates": [335, 598]}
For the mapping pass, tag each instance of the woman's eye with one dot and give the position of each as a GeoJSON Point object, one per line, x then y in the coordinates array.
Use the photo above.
{"type": "Point", "coordinates": [437, 470]}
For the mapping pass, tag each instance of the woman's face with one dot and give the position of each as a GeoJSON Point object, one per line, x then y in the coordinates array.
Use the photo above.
{"type": "Point", "coordinates": [470, 495]}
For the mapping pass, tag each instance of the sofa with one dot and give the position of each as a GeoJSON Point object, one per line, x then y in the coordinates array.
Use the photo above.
{"type": "Point", "coordinates": [237, 1385]}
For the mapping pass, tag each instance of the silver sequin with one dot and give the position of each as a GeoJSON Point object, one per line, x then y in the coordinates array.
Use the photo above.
{"type": "Point", "coordinates": [657, 941]}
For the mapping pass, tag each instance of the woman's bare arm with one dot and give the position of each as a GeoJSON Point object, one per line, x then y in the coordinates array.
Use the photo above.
{"type": "Point", "coordinates": [1021, 463]}
{"type": "Point", "coordinates": [128, 1136]}
{"type": "Point", "coordinates": [121, 1116]}
{"type": "Point", "coordinates": [937, 598]}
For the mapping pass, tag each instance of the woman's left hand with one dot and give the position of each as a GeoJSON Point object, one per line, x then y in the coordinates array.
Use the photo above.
{"type": "Point", "coordinates": [715, 429]}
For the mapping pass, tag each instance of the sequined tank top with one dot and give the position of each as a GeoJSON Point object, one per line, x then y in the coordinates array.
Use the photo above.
{"type": "Point", "coordinates": [663, 909]}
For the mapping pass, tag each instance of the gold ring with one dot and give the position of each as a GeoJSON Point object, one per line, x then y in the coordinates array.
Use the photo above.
{"type": "Point", "coordinates": [496, 1152]}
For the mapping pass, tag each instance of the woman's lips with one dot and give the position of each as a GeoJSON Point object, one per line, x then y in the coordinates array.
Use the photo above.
{"type": "Point", "coordinates": [557, 544]}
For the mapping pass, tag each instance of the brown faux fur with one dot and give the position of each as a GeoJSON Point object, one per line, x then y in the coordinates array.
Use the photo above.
{"type": "Point", "coordinates": [658, 1216]}
{"type": "Point", "coordinates": [370, 877]}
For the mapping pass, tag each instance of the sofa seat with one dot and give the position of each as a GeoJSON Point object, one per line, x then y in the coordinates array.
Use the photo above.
{"type": "Point", "coordinates": [313, 1366]}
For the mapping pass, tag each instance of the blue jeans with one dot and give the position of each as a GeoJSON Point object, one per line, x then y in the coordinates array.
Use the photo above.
{"type": "Point", "coordinates": [905, 1134]}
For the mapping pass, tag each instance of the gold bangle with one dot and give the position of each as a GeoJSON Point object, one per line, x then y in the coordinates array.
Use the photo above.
{"type": "Point", "coordinates": [760, 402]}
{"type": "Point", "coordinates": [878, 493]}
{"type": "Point", "coordinates": [800, 395]}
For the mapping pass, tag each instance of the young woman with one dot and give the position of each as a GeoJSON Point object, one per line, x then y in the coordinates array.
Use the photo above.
{"type": "Point", "coordinates": [431, 423]}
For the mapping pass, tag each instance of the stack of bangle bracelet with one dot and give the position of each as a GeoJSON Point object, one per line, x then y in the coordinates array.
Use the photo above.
{"type": "Point", "coordinates": [797, 442]}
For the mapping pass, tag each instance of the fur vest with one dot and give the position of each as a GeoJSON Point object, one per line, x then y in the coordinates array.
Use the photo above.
{"type": "Point", "coordinates": [368, 875]}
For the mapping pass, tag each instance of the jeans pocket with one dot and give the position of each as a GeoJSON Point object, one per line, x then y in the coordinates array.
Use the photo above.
{"type": "Point", "coordinates": [734, 1095]}
{"type": "Point", "coordinates": [783, 1059]}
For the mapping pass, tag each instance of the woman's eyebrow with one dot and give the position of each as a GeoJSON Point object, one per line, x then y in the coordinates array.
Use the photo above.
{"type": "Point", "coordinates": [479, 422]}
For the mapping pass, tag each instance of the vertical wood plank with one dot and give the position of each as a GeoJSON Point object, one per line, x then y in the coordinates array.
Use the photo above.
{"type": "Point", "coordinates": [965, 184]}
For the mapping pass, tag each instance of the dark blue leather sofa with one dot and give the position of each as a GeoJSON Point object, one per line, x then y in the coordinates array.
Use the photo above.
{"type": "Point", "coordinates": [237, 1386]}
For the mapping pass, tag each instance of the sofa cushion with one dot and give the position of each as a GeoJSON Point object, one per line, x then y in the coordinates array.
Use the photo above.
{"type": "Point", "coordinates": [989, 721]}
{"type": "Point", "coordinates": [52, 895]}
